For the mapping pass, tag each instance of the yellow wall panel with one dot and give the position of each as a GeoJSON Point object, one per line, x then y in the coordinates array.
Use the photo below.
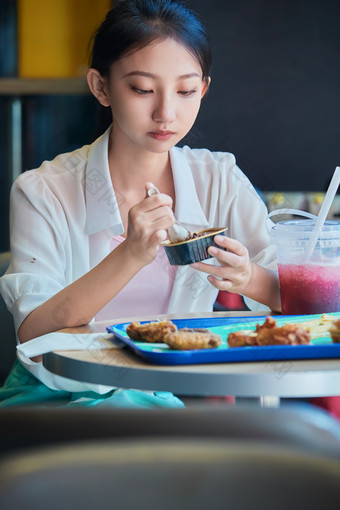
{"type": "Point", "coordinates": [53, 35]}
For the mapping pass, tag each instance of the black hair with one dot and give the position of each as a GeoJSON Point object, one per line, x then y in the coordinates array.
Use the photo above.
{"type": "Point", "coordinates": [133, 24]}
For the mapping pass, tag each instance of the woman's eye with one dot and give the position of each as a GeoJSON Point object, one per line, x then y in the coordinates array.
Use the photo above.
{"type": "Point", "coordinates": [187, 92]}
{"type": "Point", "coordinates": [142, 92]}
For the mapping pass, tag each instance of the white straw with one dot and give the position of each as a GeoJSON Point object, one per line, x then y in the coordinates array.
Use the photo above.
{"type": "Point", "coordinates": [323, 213]}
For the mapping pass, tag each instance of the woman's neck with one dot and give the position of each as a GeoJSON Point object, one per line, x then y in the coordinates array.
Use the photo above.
{"type": "Point", "coordinates": [131, 168]}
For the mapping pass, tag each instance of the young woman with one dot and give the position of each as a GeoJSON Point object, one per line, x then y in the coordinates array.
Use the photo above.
{"type": "Point", "coordinates": [85, 238]}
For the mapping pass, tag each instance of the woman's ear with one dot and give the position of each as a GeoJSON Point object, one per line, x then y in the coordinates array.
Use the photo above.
{"type": "Point", "coordinates": [97, 85]}
{"type": "Point", "coordinates": [206, 85]}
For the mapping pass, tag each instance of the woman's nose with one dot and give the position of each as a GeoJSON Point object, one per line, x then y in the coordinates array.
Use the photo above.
{"type": "Point", "coordinates": [164, 111]}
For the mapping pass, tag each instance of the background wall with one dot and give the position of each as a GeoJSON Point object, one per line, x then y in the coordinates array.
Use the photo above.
{"type": "Point", "coordinates": [275, 96]}
{"type": "Point", "coordinates": [53, 35]}
{"type": "Point", "coordinates": [45, 104]}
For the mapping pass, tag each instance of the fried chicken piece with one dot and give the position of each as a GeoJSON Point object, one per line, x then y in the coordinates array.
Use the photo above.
{"type": "Point", "coordinates": [192, 338]}
{"type": "Point", "coordinates": [269, 323]}
{"type": "Point", "coordinates": [246, 337]}
{"type": "Point", "coordinates": [152, 332]}
{"type": "Point", "coordinates": [289, 334]}
{"type": "Point", "coordinates": [241, 338]}
{"type": "Point", "coordinates": [269, 333]}
{"type": "Point", "coordinates": [335, 331]}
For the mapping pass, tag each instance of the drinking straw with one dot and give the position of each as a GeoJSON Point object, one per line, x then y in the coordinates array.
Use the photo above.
{"type": "Point", "coordinates": [323, 213]}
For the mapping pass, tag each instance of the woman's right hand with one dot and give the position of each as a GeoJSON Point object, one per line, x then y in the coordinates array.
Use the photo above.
{"type": "Point", "coordinates": [148, 222]}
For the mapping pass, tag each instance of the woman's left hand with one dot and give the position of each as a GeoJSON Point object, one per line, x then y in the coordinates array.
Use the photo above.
{"type": "Point", "coordinates": [235, 271]}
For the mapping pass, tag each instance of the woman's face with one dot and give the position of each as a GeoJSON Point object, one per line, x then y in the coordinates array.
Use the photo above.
{"type": "Point", "coordinates": [155, 95]}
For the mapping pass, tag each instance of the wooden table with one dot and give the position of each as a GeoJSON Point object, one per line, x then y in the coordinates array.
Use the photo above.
{"type": "Point", "coordinates": [265, 381]}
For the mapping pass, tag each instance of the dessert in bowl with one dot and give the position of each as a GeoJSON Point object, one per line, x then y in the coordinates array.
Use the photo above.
{"type": "Point", "coordinates": [194, 248]}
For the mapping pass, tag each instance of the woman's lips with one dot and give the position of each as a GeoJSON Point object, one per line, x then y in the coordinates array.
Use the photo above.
{"type": "Point", "coordinates": [161, 135]}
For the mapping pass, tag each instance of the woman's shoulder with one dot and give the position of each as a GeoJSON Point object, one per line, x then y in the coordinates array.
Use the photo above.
{"type": "Point", "coordinates": [66, 171]}
{"type": "Point", "coordinates": [58, 172]}
{"type": "Point", "coordinates": [216, 165]}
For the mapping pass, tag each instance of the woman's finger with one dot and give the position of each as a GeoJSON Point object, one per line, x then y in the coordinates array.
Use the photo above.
{"type": "Point", "coordinates": [155, 201]}
{"type": "Point", "coordinates": [220, 284]}
{"type": "Point", "coordinates": [230, 245]}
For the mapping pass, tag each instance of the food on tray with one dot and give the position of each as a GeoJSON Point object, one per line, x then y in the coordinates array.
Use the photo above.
{"type": "Point", "coordinates": [301, 332]}
{"type": "Point", "coordinates": [334, 331]}
{"type": "Point", "coordinates": [192, 338]}
{"type": "Point", "coordinates": [265, 334]}
{"type": "Point", "coordinates": [151, 331]}
{"type": "Point", "coordinates": [289, 334]}
{"type": "Point", "coordinates": [269, 333]}
{"type": "Point", "coordinates": [318, 327]}
{"type": "Point", "coordinates": [242, 338]}
{"type": "Point", "coordinates": [166, 332]}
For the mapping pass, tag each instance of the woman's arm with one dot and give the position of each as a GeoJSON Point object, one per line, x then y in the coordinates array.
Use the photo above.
{"type": "Point", "coordinates": [264, 287]}
{"type": "Point", "coordinates": [79, 302]}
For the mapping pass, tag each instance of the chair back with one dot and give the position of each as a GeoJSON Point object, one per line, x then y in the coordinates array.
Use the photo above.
{"type": "Point", "coordinates": [169, 474]}
{"type": "Point", "coordinates": [302, 427]}
{"type": "Point", "coordinates": [7, 331]}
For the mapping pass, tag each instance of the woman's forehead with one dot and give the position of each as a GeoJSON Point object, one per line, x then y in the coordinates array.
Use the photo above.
{"type": "Point", "coordinates": [159, 56]}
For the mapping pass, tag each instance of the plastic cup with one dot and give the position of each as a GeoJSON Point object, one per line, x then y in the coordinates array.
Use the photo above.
{"type": "Point", "coordinates": [309, 285]}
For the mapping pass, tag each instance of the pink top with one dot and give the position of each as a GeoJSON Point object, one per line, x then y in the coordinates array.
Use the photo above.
{"type": "Point", "coordinates": [147, 293]}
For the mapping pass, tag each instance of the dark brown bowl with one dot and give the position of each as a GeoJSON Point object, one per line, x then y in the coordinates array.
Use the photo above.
{"type": "Point", "coordinates": [193, 250]}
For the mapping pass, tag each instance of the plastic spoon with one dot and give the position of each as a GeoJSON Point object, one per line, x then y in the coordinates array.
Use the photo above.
{"type": "Point", "coordinates": [177, 232]}
{"type": "Point", "coordinates": [323, 213]}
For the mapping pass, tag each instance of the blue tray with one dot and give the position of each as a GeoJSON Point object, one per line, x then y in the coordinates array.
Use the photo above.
{"type": "Point", "coordinates": [161, 354]}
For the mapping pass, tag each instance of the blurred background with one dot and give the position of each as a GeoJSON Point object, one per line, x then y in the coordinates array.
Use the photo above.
{"type": "Point", "coordinates": [45, 104]}
{"type": "Point", "coordinates": [274, 100]}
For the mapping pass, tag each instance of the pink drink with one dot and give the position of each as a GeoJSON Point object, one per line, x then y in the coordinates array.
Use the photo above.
{"type": "Point", "coordinates": [308, 289]}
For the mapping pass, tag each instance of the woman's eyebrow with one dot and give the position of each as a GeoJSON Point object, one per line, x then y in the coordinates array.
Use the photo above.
{"type": "Point", "coordinates": [155, 76]}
